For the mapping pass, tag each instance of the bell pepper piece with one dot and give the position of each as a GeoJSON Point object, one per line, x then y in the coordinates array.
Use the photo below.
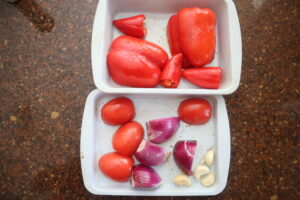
{"type": "Point", "coordinates": [173, 36]}
{"type": "Point", "coordinates": [173, 39]}
{"type": "Point", "coordinates": [132, 26]}
{"type": "Point", "coordinates": [206, 77]}
{"type": "Point", "coordinates": [171, 73]}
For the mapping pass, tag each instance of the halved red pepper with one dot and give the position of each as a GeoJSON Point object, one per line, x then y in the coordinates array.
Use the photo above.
{"type": "Point", "coordinates": [173, 36]}
{"type": "Point", "coordinates": [196, 28]}
{"type": "Point", "coordinates": [148, 49]}
{"type": "Point", "coordinates": [135, 62]}
{"type": "Point", "coordinates": [206, 77]}
{"type": "Point", "coordinates": [132, 69]}
{"type": "Point", "coordinates": [132, 26]}
{"type": "Point", "coordinates": [170, 76]}
{"type": "Point", "coordinates": [173, 39]}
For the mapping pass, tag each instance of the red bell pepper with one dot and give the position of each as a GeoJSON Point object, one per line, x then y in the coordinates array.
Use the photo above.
{"type": "Point", "coordinates": [135, 62]}
{"type": "Point", "coordinates": [206, 77]}
{"type": "Point", "coordinates": [173, 35]}
{"type": "Point", "coordinates": [132, 69]}
{"type": "Point", "coordinates": [170, 76]}
{"type": "Point", "coordinates": [148, 49]}
{"type": "Point", "coordinates": [133, 26]}
{"type": "Point", "coordinates": [173, 39]}
{"type": "Point", "coordinates": [196, 28]}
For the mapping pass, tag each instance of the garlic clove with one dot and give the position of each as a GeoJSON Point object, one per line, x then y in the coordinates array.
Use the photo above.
{"type": "Point", "coordinates": [209, 157]}
{"type": "Point", "coordinates": [182, 180]}
{"type": "Point", "coordinates": [200, 171]}
{"type": "Point", "coordinates": [208, 180]}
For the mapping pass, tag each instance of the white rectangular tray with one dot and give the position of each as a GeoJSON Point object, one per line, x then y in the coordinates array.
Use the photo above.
{"type": "Point", "coordinates": [228, 49]}
{"type": "Point", "coordinates": [96, 141]}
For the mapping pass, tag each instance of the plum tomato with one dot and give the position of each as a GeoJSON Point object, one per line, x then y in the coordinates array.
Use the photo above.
{"type": "Point", "coordinates": [118, 111]}
{"type": "Point", "coordinates": [127, 138]}
{"type": "Point", "coordinates": [195, 111]}
{"type": "Point", "coordinates": [116, 166]}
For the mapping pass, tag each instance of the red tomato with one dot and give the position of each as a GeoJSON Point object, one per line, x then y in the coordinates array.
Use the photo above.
{"type": "Point", "coordinates": [118, 111]}
{"type": "Point", "coordinates": [116, 166]}
{"type": "Point", "coordinates": [195, 111]}
{"type": "Point", "coordinates": [128, 138]}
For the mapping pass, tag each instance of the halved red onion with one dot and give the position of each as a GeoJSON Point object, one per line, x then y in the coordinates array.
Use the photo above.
{"type": "Point", "coordinates": [151, 154]}
{"type": "Point", "coordinates": [160, 130]}
{"type": "Point", "coordinates": [183, 153]}
{"type": "Point", "coordinates": [144, 177]}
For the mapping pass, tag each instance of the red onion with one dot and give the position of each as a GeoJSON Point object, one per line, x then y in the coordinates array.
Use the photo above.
{"type": "Point", "coordinates": [151, 154]}
{"type": "Point", "coordinates": [183, 153]}
{"type": "Point", "coordinates": [160, 130]}
{"type": "Point", "coordinates": [144, 177]}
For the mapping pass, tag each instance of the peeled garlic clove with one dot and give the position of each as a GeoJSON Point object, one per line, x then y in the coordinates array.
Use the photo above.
{"type": "Point", "coordinates": [200, 171]}
{"type": "Point", "coordinates": [208, 180]}
{"type": "Point", "coordinates": [182, 180]}
{"type": "Point", "coordinates": [209, 157]}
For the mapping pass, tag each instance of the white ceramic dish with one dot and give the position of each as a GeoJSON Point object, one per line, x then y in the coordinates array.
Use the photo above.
{"type": "Point", "coordinates": [228, 50]}
{"type": "Point", "coordinates": [96, 141]}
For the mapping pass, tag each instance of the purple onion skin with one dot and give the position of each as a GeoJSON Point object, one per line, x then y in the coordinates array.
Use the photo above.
{"type": "Point", "coordinates": [160, 130]}
{"type": "Point", "coordinates": [144, 177]}
{"type": "Point", "coordinates": [151, 154]}
{"type": "Point", "coordinates": [183, 153]}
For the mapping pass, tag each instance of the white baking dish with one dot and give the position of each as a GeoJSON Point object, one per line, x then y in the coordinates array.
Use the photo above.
{"type": "Point", "coordinates": [96, 141]}
{"type": "Point", "coordinates": [228, 50]}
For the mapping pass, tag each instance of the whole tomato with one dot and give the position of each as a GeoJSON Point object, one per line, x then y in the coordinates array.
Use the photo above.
{"type": "Point", "coordinates": [195, 111]}
{"type": "Point", "coordinates": [127, 138]}
{"type": "Point", "coordinates": [118, 111]}
{"type": "Point", "coordinates": [116, 166]}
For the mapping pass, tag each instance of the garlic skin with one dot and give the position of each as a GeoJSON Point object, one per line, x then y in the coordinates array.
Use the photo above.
{"type": "Point", "coordinates": [208, 180]}
{"type": "Point", "coordinates": [182, 180]}
{"type": "Point", "coordinates": [209, 157]}
{"type": "Point", "coordinates": [199, 171]}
